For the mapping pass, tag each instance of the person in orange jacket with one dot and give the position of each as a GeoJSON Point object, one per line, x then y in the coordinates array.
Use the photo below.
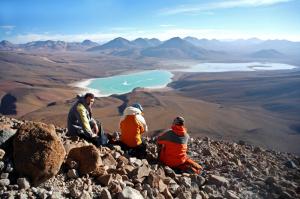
{"type": "Point", "coordinates": [173, 149]}
{"type": "Point", "coordinates": [132, 126]}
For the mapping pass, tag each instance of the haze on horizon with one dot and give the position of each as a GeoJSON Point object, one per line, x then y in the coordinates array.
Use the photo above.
{"type": "Point", "coordinates": [100, 21]}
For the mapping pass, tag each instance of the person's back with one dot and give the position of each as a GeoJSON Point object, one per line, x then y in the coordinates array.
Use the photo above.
{"type": "Point", "coordinates": [173, 148]}
{"type": "Point", "coordinates": [132, 125]}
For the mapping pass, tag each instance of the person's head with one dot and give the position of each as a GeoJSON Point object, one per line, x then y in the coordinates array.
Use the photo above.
{"type": "Point", "coordinates": [89, 98]}
{"type": "Point", "coordinates": [138, 106]}
{"type": "Point", "coordinates": [178, 121]}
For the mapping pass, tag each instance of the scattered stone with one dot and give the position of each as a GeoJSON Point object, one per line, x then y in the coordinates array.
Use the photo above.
{"type": "Point", "coordinates": [2, 165]}
{"type": "Point", "coordinates": [6, 133]}
{"type": "Point", "coordinates": [4, 182]}
{"type": "Point", "coordinates": [290, 164]}
{"type": "Point", "coordinates": [105, 194]}
{"type": "Point", "coordinates": [105, 179]}
{"type": "Point", "coordinates": [199, 180]}
{"type": "Point", "coordinates": [185, 195]}
{"type": "Point", "coordinates": [161, 186]}
{"type": "Point", "coordinates": [109, 160]}
{"type": "Point", "coordinates": [167, 194]}
{"type": "Point", "coordinates": [218, 180]}
{"type": "Point", "coordinates": [72, 173]}
{"type": "Point", "coordinates": [135, 162]}
{"type": "Point", "coordinates": [56, 195]}
{"type": "Point", "coordinates": [4, 175]}
{"type": "Point", "coordinates": [123, 160]}
{"type": "Point", "coordinates": [85, 195]}
{"type": "Point", "coordinates": [185, 181]}
{"type": "Point", "coordinates": [23, 183]}
{"type": "Point", "coordinates": [169, 172]}
{"type": "Point", "coordinates": [270, 180]}
{"type": "Point", "coordinates": [2, 153]}
{"type": "Point", "coordinates": [129, 193]}
{"type": "Point", "coordinates": [23, 196]}
{"type": "Point", "coordinates": [231, 195]}
{"type": "Point", "coordinates": [140, 172]}
{"type": "Point", "coordinates": [257, 150]}
{"type": "Point", "coordinates": [9, 168]}
{"type": "Point", "coordinates": [72, 164]}
{"type": "Point", "coordinates": [114, 187]}
{"type": "Point", "coordinates": [75, 192]}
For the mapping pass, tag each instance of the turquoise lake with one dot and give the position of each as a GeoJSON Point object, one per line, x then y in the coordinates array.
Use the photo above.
{"type": "Point", "coordinates": [121, 84]}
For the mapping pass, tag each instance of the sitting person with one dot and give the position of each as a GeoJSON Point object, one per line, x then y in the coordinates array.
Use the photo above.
{"type": "Point", "coordinates": [173, 148]}
{"type": "Point", "coordinates": [81, 123]}
{"type": "Point", "coordinates": [132, 126]}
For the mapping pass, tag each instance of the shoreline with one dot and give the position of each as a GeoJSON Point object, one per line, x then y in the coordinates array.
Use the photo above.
{"type": "Point", "coordinates": [252, 67]}
{"type": "Point", "coordinates": [82, 85]}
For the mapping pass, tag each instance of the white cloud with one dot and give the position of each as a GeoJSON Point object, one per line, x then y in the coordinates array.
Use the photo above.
{"type": "Point", "coordinates": [224, 4]}
{"type": "Point", "coordinates": [7, 27]}
{"type": "Point", "coordinates": [166, 25]}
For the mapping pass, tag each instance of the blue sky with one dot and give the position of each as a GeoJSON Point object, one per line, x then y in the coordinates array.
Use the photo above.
{"type": "Point", "coordinates": [102, 20]}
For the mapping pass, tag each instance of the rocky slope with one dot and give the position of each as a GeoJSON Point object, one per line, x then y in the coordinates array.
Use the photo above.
{"type": "Point", "coordinates": [234, 170]}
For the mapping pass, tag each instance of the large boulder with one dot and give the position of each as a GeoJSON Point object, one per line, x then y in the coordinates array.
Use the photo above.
{"type": "Point", "coordinates": [87, 157]}
{"type": "Point", "coordinates": [38, 151]}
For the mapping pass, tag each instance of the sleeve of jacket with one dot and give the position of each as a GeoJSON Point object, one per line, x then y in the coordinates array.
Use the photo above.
{"type": "Point", "coordinates": [142, 121]}
{"type": "Point", "coordinates": [83, 119]}
{"type": "Point", "coordinates": [160, 139]}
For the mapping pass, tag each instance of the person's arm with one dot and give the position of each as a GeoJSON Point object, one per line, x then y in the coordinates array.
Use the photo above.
{"type": "Point", "coordinates": [83, 120]}
{"type": "Point", "coordinates": [94, 126]}
{"type": "Point", "coordinates": [142, 121]}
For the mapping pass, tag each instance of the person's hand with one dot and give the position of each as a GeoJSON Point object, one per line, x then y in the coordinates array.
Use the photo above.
{"type": "Point", "coordinates": [96, 129]}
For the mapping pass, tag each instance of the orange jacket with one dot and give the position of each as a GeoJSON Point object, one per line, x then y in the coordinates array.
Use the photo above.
{"type": "Point", "coordinates": [174, 146]}
{"type": "Point", "coordinates": [132, 125]}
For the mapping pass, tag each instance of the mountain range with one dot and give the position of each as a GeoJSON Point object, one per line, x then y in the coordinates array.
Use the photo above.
{"type": "Point", "coordinates": [186, 48]}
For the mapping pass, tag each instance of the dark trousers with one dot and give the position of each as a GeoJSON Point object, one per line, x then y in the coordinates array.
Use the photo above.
{"type": "Point", "coordinates": [100, 139]}
{"type": "Point", "coordinates": [138, 151]}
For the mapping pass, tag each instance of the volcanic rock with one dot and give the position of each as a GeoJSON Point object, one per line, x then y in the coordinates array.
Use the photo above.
{"type": "Point", "coordinates": [87, 157]}
{"type": "Point", "coordinates": [38, 151]}
{"type": "Point", "coordinates": [129, 193]}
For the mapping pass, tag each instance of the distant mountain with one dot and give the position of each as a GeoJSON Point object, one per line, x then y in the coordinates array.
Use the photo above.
{"type": "Point", "coordinates": [287, 47]}
{"type": "Point", "coordinates": [267, 53]}
{"type": "Point", "coordinates": [204, 43]}
{"type": "Point", "coordinates": [45, 45]}
{"type": "Point", "coordinates": [155, 42]}
{"type": "Point", "coordinates": [89, 43]}
{"type": "Point", "coordinates": [7, 46]}
{"type": "Point", "coordinates": [115, 44]}
{"type": "Point", "coordinates": [176, 48]}
{"type": "Point", "coordinates": [86, 44]}
{"type": "Point", "coordinates": [145, 43]}
{"type": "Point", "coordinates": [48, 45]}
{"type": "Point", "coordinates": [187, 48]}
{"type": "Point", "coordinates": [217, 45]}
